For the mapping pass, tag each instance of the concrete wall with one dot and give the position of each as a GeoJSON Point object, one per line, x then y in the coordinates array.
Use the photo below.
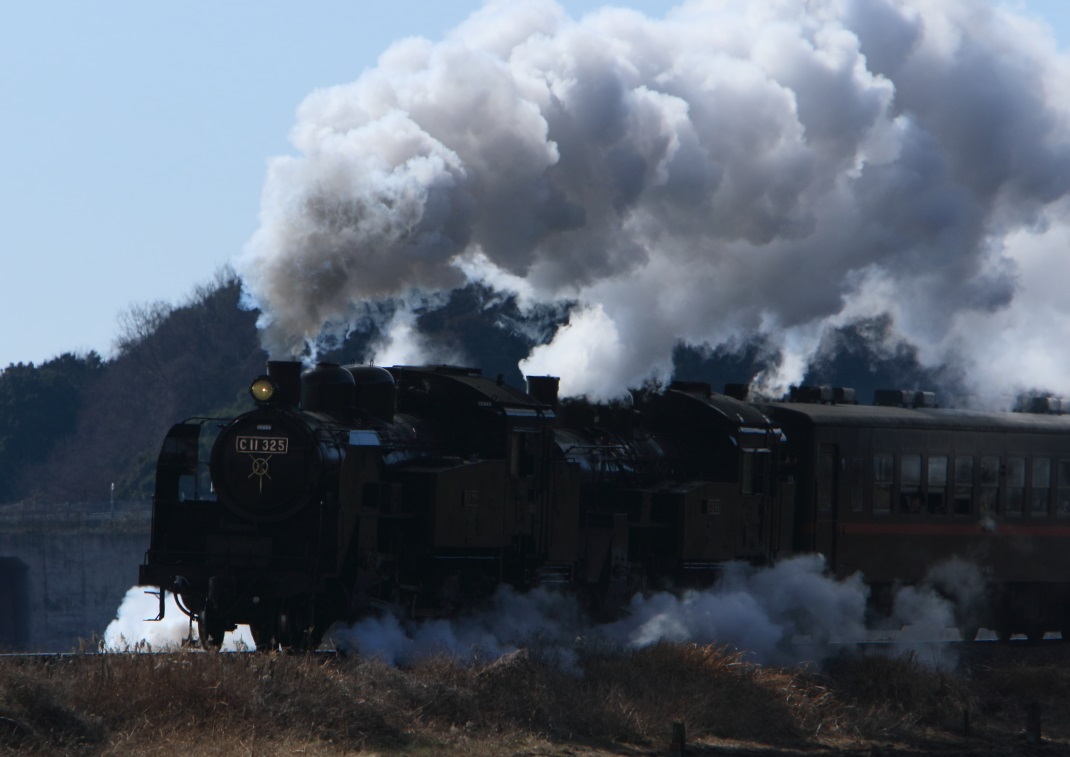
{"type": "Point", "coordinates": [65, 573]}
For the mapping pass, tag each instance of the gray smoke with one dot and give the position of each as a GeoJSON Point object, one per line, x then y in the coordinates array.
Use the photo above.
{"type": "Point", "coordinates": [547, 622]}
{"type": "Point", "coordinates": [739, 169]}
{"type": "Point", "coordinates": [951, 596]}
{"type": "Point", "coordinates": [786, 614]}
{"type": "Point", "coordinates": [790, 612]}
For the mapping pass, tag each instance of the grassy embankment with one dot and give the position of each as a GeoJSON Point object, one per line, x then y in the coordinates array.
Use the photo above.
{"type": "Point", "coordinates": [623, 703]}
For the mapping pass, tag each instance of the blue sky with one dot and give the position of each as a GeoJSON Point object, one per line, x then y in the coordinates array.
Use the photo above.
{"type": "Point", "coordinates": [136, 137]}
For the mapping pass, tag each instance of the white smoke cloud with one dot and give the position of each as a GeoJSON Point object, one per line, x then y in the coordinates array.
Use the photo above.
{"type": "Point", "coordinates": [785, 614]}
{"type": "Point", "coordinates": [734, 169]}
{"type": "Point", "coordinates": [762, 611]}
{"type": "Point", "coordinates": [134, 629]}
{"type": "Point", "coordinates": [401, 342]}
{"type": "Point", "coordinates": [546, 621]}
{"type": "Point", "coordinates": [950, 598]}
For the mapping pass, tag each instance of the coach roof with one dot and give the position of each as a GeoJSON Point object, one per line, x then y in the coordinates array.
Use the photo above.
{"type": "Point", "coordinates": [908, 418]}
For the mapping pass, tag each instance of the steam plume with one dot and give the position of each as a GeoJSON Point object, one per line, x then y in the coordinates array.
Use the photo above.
{"type": "Point", "coordinates": [739, 169]}
{"type": "Point", "coordinates": [764, 612]}
{"type": "Point", "coordinates": [131, 629]}
{"type": "Point", "coordinates": [785, 614]}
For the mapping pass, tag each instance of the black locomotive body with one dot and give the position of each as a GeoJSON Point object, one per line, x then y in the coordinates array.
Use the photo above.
{"type": "Point", "coordinates": [420, 490]}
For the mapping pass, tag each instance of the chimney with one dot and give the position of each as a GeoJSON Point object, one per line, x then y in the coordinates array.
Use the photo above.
{"type": "Point", "coordinates": [287, 374]}
{"type": "Point", "coordinates": [544, 389]}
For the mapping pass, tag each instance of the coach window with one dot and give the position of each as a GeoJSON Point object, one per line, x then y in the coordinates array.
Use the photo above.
{"type": "Point", "coordinates": [910, 484]}
{"type": "Point", "coordinates": [963, 485]}
{"type": "Point", "coordinates": [1040, 492]}
{"type": "Point", "coordinates": [936, 496]}
{"type": "Point", "coordinates": [882, 483]}
{"type": "Point", "coordinates": [1015, 485]}
{"type": "Point", "coordinates": [826, 477]}
{"type": "Point", "coordinates": [989, 484]}
{"type": "Point", "coordinates": [1062, 491]}
{"type": "Point", "coordinates": [858, 468]}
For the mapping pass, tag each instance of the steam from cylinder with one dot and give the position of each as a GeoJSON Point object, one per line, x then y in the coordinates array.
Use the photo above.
{"type": "Point", "coordinates": [734, 171]}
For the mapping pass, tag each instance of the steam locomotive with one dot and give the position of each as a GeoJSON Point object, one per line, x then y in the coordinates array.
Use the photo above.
{"type": "Point", "coordinates": [419, 490]}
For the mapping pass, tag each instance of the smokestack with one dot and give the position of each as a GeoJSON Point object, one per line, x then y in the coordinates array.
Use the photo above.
{"type": "Point", "coordinates": [287, 375]}
{"type": "Point", "coordinates": [737, 391]}
{"type": "Point", "coordinates": [544, 389]}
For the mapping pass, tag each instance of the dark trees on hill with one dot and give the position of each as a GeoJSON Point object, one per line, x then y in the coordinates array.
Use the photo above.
{"type": "Point", "coordinates": [172, 363]}
{"type": "Point", "coordinates": [478, 327]}
{"type": "Point", "coordinates": [39, 405]}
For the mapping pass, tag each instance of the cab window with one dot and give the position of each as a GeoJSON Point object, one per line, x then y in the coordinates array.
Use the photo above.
{"type": "Point", "coordinates": [754, 478]}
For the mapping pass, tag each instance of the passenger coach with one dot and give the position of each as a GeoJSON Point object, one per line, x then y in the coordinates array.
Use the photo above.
{"type": "Point", "coordinates": [898, 488]}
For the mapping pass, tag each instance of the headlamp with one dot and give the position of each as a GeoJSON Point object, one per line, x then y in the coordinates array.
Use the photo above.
{"type": "Point", "coordinates": [263, 389]}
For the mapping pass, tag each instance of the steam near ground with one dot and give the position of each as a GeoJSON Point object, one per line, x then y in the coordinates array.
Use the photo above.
{"type": "Point", "coordinates": [790, 613]}
{"type": "Point", "coordinates": [761, 612]}
{"type": "Point", "coordinates": [734, 172]}
{"type": "Point", "coordinates": [132, 629]}
{"type": "Point", "coordinates": [786, 614]}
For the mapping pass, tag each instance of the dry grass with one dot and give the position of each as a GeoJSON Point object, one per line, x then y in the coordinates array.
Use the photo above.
{"type": "Point", "coordinates": [612, 703]}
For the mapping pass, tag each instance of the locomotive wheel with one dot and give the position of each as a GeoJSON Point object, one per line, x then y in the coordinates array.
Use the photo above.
{"type": "Point", "coordinates": [294, 628]}
{"type": "Point", "coordinates": [211, 629]}
{"type": "Point", "coordinates": [263, 636]}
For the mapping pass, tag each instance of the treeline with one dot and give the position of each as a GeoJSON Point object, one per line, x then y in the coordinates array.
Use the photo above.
{"type": "Point", "coordinates": [76, 424]}
{"type": "Point", "coordinates": [39, 405]}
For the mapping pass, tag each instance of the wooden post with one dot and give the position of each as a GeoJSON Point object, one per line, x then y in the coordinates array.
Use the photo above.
{"type": "Point", "coordinates": [1033, 722]}
{"type": "Point", "coordinates": [677, 746]}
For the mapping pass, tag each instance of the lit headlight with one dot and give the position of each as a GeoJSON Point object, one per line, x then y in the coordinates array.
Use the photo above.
{"type": "Point", "coordinates": [263, 389]}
